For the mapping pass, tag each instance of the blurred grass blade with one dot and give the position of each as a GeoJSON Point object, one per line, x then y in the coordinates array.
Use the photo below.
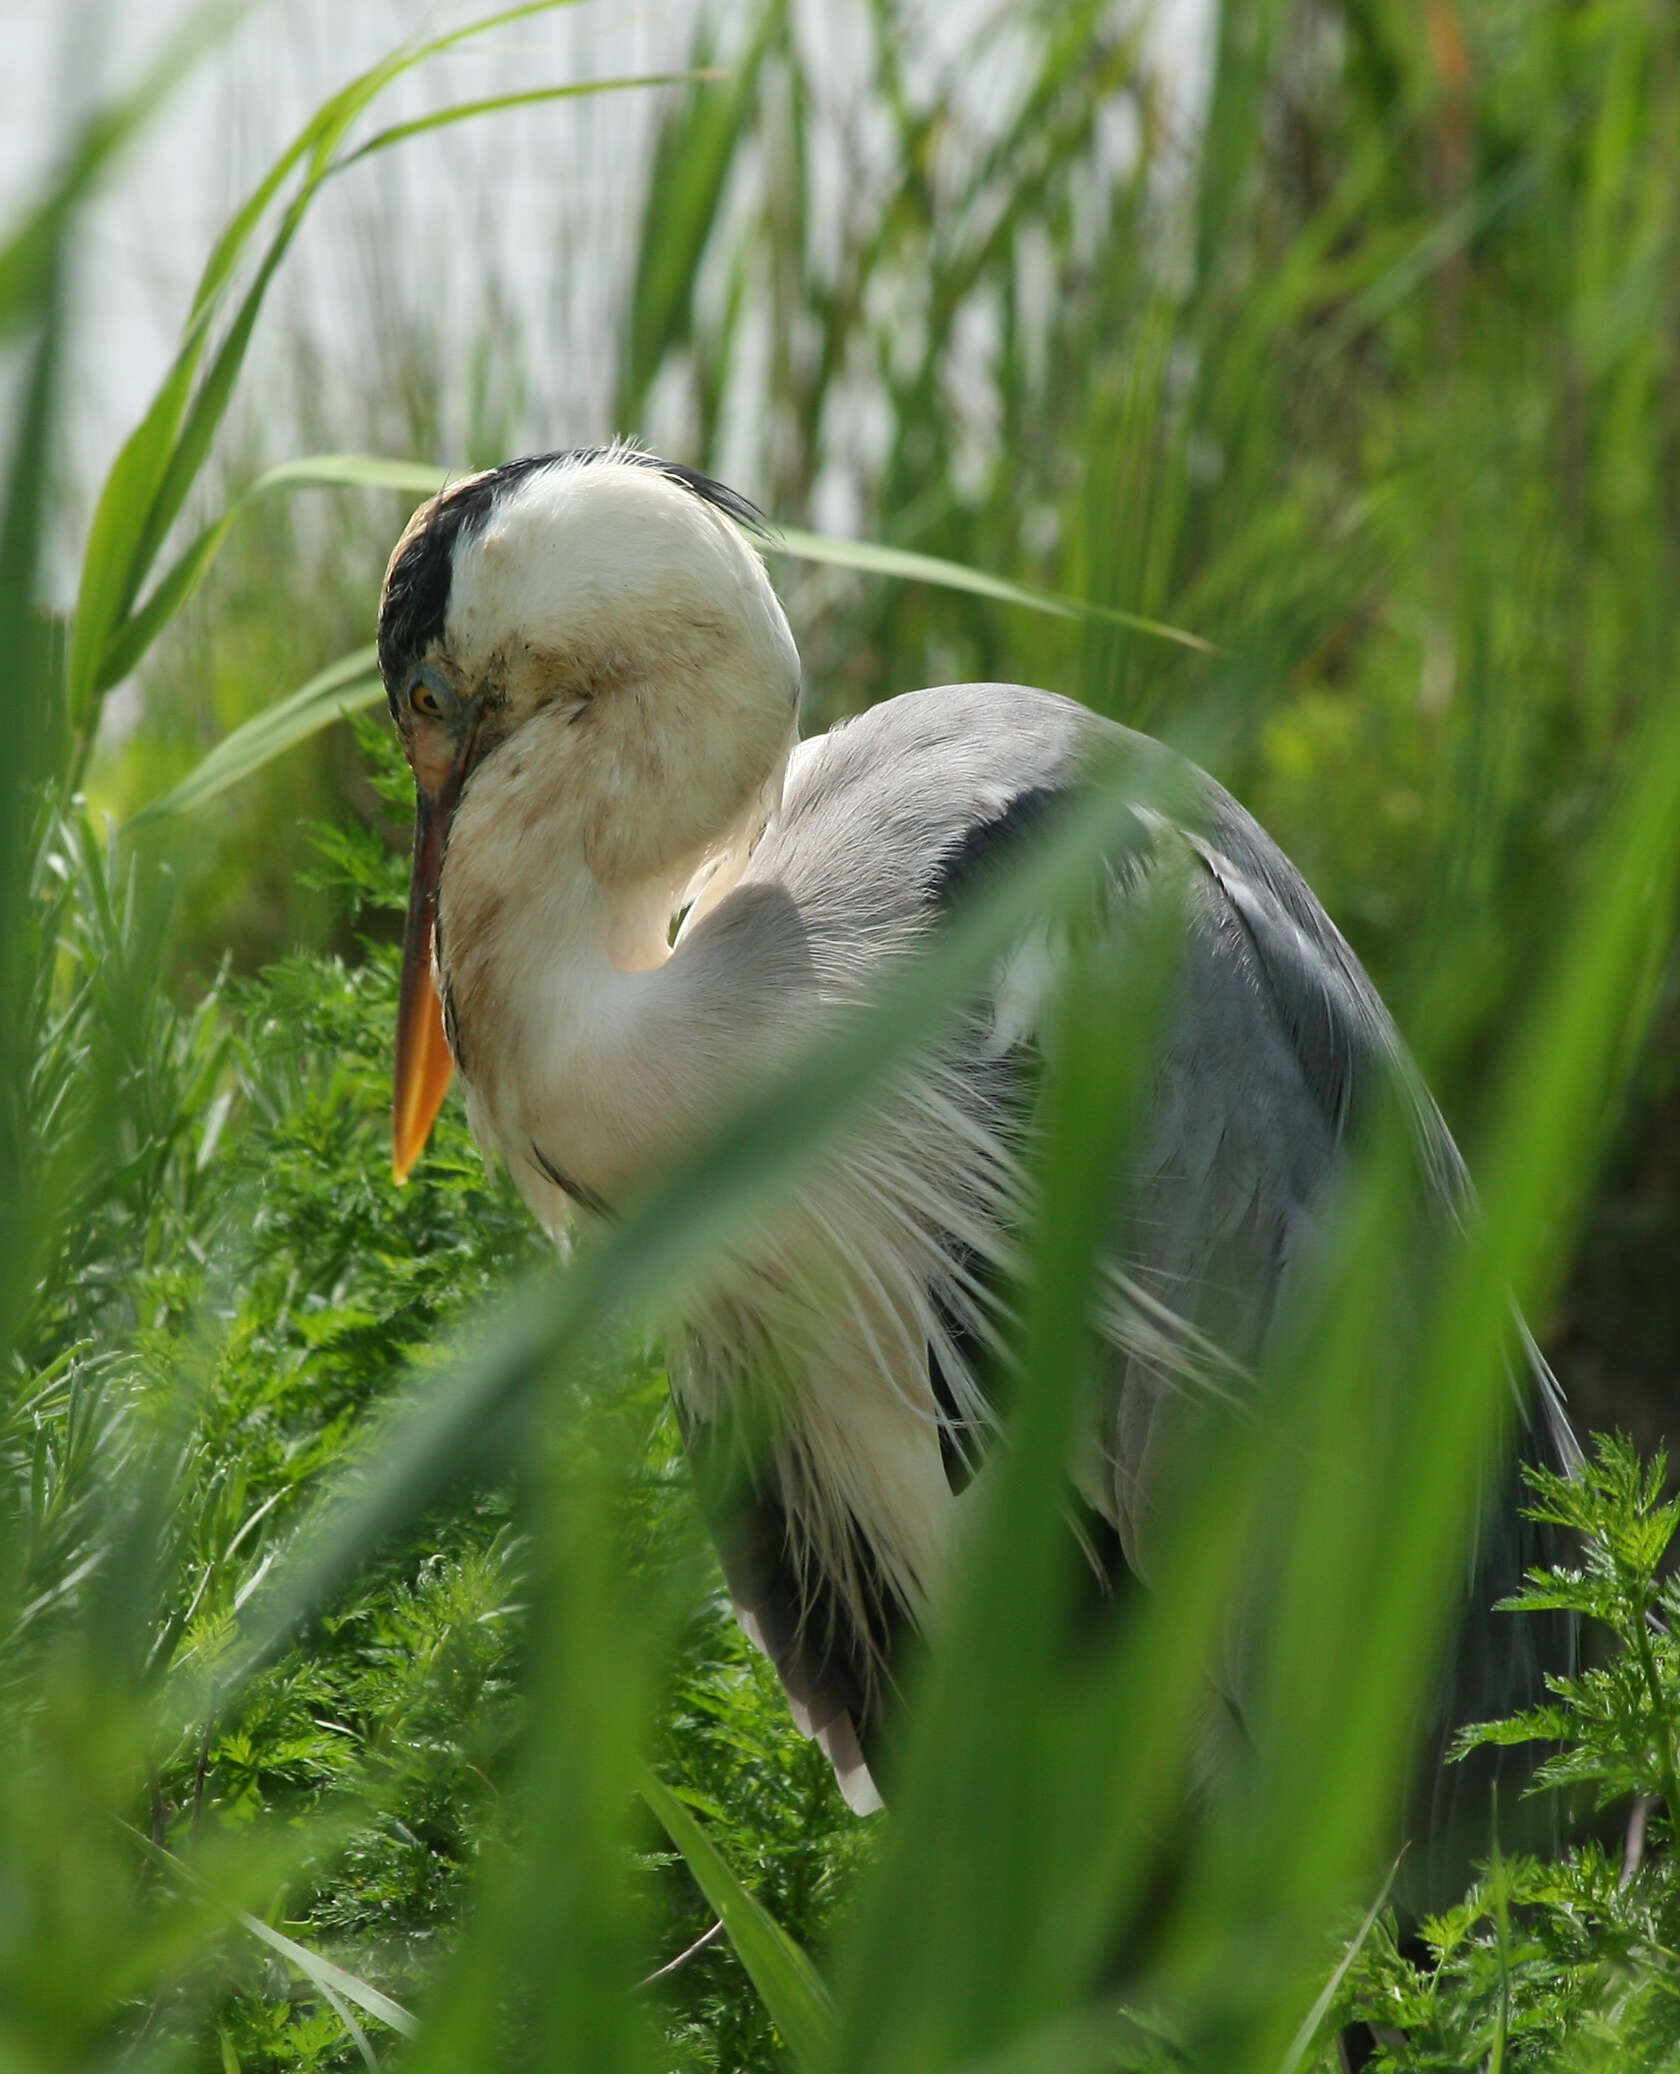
{"type": "Point", "coordinates": [1376, 1555]}
{"type": "Point", "coordinates": [26, 643]}
{"type": "Point", "coordinates": [792, 1989]}
{"type": "Point", "coordinates": [1307, 2038]}
{"type": "Point", "coordinates": [1019, 1735]}
{"type": "Point", "coordinates": [494, 104]}
{"type": "Point", "coordinates": [910, 567]}
{"type": "Point", "coordinates": [347, 686]}
{"type": "Point", "coordinates": [321, 1971]}
{"type": "Point", "coordinates": [27, 251]}
{"type": "Point", "coordinates": [1435, 249]}
{"type": "Point", "coordinates": [463, 1422]}
{"type": "Point", "coordinates": [1092, 2043]}
{"type": "Point", "coordinates": [693, 153]}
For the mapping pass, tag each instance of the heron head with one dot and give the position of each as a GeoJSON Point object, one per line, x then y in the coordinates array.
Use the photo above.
{"type": "Point", "coordinates": [601, 622]}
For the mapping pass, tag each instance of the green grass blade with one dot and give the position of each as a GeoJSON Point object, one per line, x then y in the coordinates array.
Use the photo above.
{"type": "Point", "coordinates": [347, 686]}
{"type": "Point", "coordinates": [348, 472]}
{"type": "Point", "coordinates": [28, 248]}
{"type": "Point", "coordinates": [310, 709]}
{"type": "Point", "coordinates": [1380, 1526]}
{"type": "Point", "coordinates": [204, 414]}
{"type": "Point", "coordinates": [147, 482]}
{"type": "Point", "coordinates": [1093, 2042]}
{"type": "Point", "coordinates": [26, 643]}
{"type": "Point", "coordinates": [910, 567]}
{"type": "Point", "coordinates": [693, 153]}
{"type": "Point", "coordinates": [494, 104]}
{"type": "Point", "coordinates": [332, 1980]}
{"type": "Point", "coordinates": [328, 122]}
{"type": "Point", "coordinates": [161, 461]}
{"type": "Point", "coordinates": [1434, 249]}
{"type": "Point", "coordinates": [325, 135]}
{"type": "Point", "coordinates": [110, 580]}
{"type": "Point", "coordinates": [1011, 1745]}
{"type": "Point", "coordinates": [128, 642]}
{"type": "Point", "coordinates": [792, 1989]}
{"type": "Point", "coordinates": [1306, 2039]}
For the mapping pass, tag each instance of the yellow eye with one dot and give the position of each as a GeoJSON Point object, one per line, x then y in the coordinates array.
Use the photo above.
{"type": "Point", "coordinates": [425, 701]}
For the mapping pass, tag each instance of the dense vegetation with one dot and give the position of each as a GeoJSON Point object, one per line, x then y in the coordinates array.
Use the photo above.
{"type": "Point", "coordinates": [365, 1667]}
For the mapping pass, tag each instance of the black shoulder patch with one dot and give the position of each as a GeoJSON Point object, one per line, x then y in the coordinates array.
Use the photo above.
{"type": "Point", "coordinates": [416, 602]}
{"type": "Point", "coordinates": [983, 842]}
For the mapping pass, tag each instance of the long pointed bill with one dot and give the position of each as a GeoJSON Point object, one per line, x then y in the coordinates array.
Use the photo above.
{"type": "Point", "coordinates": [423, 1063]}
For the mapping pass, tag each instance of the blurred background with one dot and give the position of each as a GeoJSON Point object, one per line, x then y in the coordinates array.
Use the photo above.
{"type": "Point", "coordinates": [1366, 372]}
{"type": "Point", "coordinates": [1341, 334]}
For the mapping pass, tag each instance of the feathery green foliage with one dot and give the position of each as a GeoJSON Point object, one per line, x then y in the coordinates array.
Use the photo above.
{"type": "Point", "coordinates": [1569, 1960]}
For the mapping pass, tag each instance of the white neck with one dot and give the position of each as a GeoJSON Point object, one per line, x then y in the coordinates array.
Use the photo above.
{"type": "Point", "coordinates": [581, 1037]}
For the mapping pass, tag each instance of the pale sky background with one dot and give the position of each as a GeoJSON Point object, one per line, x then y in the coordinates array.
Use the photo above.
{"type": "Point", "coordinates": [541, 204]}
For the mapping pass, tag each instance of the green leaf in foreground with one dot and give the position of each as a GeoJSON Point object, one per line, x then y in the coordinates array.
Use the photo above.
{"type": "Point", "coordinates": [344, 687]}
{"type": "Point", "coordinates": [463, 1421]}
{"type": "Point", "coordinates": [793, 1990]}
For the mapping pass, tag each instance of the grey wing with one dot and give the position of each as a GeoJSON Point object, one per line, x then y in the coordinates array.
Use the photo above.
{"type": "Point", "coordinates": [1278, 1046]}
{"type": "Point", "coordinates": [1230, 1169]}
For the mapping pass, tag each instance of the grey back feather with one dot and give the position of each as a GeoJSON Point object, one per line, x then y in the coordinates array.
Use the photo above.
{"type": "Point", "coordinates": [1277, 1049]}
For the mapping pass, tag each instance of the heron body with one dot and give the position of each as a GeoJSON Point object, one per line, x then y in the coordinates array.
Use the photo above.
{"type": "Point", "coordinates": [598, 692]}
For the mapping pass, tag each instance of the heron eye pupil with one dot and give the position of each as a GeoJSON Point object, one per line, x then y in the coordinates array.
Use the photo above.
{"type": "Point", "coordinates": [425, 701]}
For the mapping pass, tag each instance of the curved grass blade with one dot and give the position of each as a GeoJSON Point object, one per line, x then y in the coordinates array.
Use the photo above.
{"type": "Point", "coordinates": [493, 104]}
{"type": "Point", "coordinates": [311, 708]}
{"type": "Point", "coordinates": [347, 472]}
{"type": "Point", "coordinates": [911, 567]}
{"type": "Point", "coordinates": [332, 1980]}
{"type": "Point", "coordinates": [693, 153]}
{"type": "Point", "coordinates": [129, 643]}
{"type": "Point", "coordinates": [1011, 1745]}
{"type": "Point", "coordinates": [354, 96]}
{"type": "Point", "coordinates": [1306, 2039]}
{"type": "Point", "coordinates": [347, 686]}
{"type": "Point", "coordinates": [792, 1989]}
{"type": "Point", "coordinates": [466, 1419]}
{"type": "Point", "coordinates": [155, 471]}
{"type": "Point", "coordinates": [1373, 1567]}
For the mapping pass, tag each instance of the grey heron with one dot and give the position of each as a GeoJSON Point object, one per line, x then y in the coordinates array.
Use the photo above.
{"type": "Point", "coordinates": [598, 693]}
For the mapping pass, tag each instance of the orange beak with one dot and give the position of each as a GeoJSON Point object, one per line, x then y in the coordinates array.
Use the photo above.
{"type": "Point", "coordinates": [424, 1066]}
